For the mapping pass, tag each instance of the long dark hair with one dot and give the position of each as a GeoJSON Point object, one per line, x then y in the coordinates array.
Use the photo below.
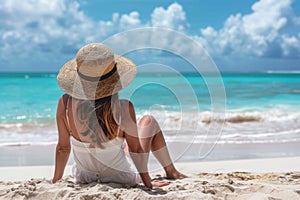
{"type": "Point", "coordinates": [98, 118]}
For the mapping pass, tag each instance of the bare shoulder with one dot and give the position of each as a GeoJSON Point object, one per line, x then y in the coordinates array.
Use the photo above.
{"type": "Point", "coordinates": [127, 113]}
{"type": "Point", "coordinates": [125, 102]}
{"type": "Point", "coordinates": [127, 107]}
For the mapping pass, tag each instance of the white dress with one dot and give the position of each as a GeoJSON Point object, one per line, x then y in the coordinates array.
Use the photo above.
{"type": "Point", "coordinates": [107, 164]}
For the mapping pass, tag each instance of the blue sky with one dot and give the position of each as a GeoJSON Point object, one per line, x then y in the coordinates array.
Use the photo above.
{"type": "Point", "coordinates": [240, 36]}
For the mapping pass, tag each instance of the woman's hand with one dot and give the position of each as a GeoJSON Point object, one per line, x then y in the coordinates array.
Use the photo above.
{"type": "Point", "coordinates": [157, 183]}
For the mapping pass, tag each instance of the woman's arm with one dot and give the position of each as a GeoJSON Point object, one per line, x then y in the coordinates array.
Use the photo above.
{"type": "Point", "coordinates": [63, 146]}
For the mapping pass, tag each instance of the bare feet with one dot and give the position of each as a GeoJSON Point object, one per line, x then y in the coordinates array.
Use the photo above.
{"type": "Point", "coordinates": [176, 175]}
{"type": "Point", "coordinates": [172, 173]}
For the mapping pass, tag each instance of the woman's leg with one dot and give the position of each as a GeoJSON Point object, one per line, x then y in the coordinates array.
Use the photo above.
{"type": "Point", "coordinates": [151, 138]}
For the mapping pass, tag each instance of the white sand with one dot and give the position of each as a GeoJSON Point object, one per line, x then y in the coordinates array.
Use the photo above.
{"type": "Point", "coordinates": [238, 179]}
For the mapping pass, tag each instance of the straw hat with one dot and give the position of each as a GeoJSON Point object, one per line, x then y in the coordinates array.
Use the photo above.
{"type": "Point", "coordinates": [95, 72]}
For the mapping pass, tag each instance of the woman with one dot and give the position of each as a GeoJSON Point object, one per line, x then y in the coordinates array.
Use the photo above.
{"type": "Point", "coordinates": [102, 128]}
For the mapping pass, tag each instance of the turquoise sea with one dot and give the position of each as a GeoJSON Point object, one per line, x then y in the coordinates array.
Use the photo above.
{"type": "Point", "coordinates": [260, 107]}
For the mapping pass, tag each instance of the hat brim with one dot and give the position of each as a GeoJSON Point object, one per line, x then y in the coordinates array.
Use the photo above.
{"type": "Point", "coordinates": [70, 82]}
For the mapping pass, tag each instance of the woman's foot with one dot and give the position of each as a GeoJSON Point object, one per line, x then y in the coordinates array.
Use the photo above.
{"type": "Point", "coordinates": [172, 173]}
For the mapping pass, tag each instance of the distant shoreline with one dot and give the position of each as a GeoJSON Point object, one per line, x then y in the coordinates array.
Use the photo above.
{"type": "Point", "coordinates": [50, 74]}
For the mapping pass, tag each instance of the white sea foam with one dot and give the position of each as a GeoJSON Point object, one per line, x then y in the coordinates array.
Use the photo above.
{"type": "Point", "coordinates": [271, 126]}
{"type": "Point", "coordinates": [17, 135]}
{"type": "Point", "coordinates": [231, 127]}
{"type": "Point", "coordinates": [283, 72]}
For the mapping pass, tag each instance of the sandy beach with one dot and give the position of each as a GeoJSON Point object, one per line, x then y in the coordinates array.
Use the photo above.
{"type": "Point", "coordinates": [271, 179]}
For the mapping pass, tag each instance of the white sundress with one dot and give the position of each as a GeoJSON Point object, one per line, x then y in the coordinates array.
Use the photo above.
{"type": "Point", "coordinates": [107, 164]}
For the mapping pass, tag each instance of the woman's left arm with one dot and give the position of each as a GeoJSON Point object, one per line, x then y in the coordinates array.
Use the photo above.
{"type": "Point", "coordinates": [63, 146]}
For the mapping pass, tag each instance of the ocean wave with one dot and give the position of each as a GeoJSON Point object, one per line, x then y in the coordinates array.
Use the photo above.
{"type": "Point", "coordinates": [283, 72]}
{"type": "Point", "coordinates": [26, 134]}
{"type": "Point", "coordinates": [203, 127]}
{"type": "Point", "coordinates": [229, 135]}
{"type": "Point", "coordinates": [24, 144]}
{"type": "Point", "coordinates": [29, 125]}
{"type": "Point", "coordinates": [173, 120]}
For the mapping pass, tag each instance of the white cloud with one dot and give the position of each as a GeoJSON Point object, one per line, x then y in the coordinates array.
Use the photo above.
{"type": "Point", "coordinates": [267, 18]}
{"type": "Point", "coordinates": [56, 29]}
{"type": "Point", "coordinates": [290, 46]}
{"type": "Point", "coordinates": [130, 21]}
{"type": "Point", "coordinates": [39, 32]}
{"type": "Point", "coordinates": [51, 29]}
{"type": "Point", "coordinates": [173, 17]}
{"type": "Point", "coordinates": [260, 33]}
{"type": "Point", "coordinates": [41, 28]}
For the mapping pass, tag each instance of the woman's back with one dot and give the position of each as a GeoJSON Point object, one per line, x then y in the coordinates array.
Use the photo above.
{"type": "Point", "coordinates": [83, 122]}
{"type": "Point", "coordinates": [105, 161]}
